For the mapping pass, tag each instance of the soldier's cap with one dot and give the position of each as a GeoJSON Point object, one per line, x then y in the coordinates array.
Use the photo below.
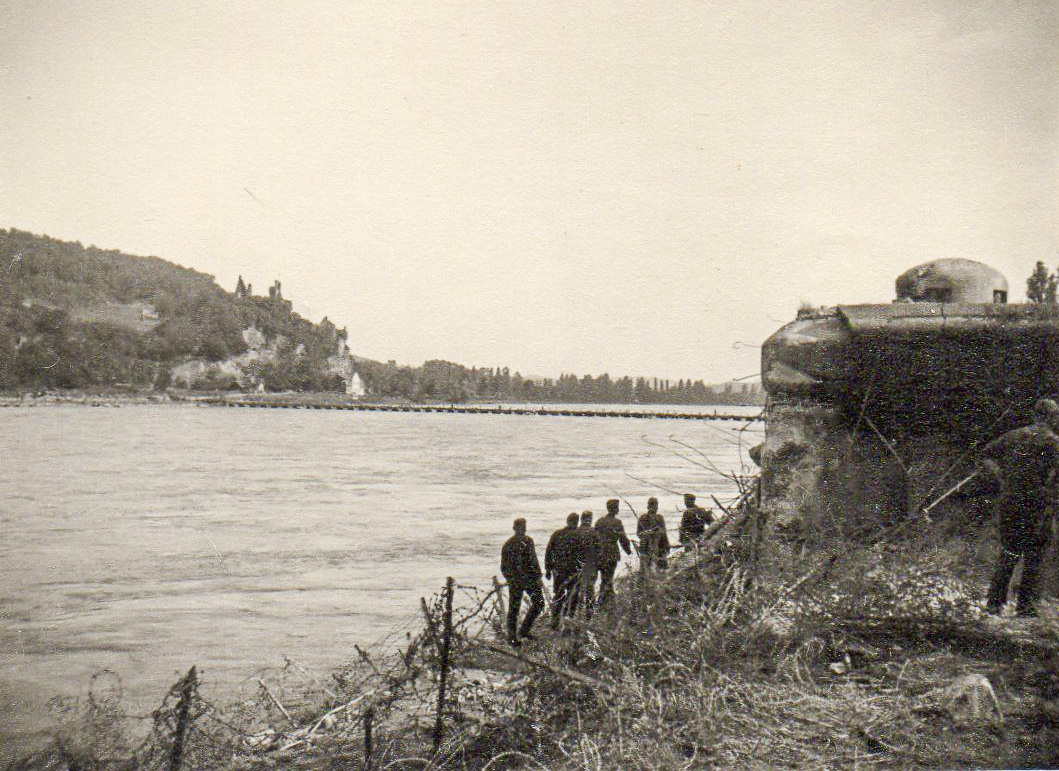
{"type": "Point", "coordinates": [652, 501]}
{"type": "Point", "coordinates": [689, 498]}
{"type": "Point", "coordinates": [520, 522]}
{"type": "Point", "coordinates": [1046, 409]}
{"type": "Point", "coordinates": [612, 504]}
{"type": "Point", "coordinates": [571, 518]}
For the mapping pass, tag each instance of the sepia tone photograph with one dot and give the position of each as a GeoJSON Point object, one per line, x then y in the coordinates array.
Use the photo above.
{"type": "Point", "coordinates": [473, 385]}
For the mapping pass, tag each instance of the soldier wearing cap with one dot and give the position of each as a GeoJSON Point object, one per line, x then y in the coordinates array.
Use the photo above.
{"type": "Point", "coordinates": [611, 534]}
{"type": "Point", "coordinates": [694, 522]}
{"type": "Point", "coordinates": [562, 567]}
{"type": "Point", "coordinates": [1025, 462]}
{"type": "Point", "coordinates": [522, 571]}
{"type": "Point", "coordinates": [654, 542]}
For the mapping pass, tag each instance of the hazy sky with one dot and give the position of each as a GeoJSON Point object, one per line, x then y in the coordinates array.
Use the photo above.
{"type": "Point", "coordinates": [643, 188]}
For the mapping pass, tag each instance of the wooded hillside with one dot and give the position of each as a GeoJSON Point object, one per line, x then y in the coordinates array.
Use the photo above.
{"type": "Point", "coordinates": [76, 317]}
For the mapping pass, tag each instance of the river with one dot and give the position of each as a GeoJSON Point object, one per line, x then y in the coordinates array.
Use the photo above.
{"type": "Point", "coordinates": [148, 538]}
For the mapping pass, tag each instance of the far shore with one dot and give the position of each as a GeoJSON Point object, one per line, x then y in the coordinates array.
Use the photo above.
{"type": "Point", "coordinates": [120, 397]}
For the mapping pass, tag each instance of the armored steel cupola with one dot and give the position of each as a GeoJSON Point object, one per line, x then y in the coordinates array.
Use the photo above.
{"type": "Point", "coordinates": [952, 281]}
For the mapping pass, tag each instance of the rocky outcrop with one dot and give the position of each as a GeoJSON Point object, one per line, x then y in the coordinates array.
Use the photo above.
{"type": "Point", "coordinates": [243, 370]}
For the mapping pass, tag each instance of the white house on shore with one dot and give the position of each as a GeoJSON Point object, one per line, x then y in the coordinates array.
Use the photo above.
{"type": "Point", "coordinates": [354, 385]}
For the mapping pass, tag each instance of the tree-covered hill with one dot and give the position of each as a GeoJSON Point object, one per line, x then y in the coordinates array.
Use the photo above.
{"type": "Point", "coordinates": [81, 317]}
{"type": "Point", "coordinates": [85, 318]}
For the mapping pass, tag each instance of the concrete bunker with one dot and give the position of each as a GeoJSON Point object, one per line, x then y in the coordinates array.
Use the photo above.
{"type": "Point", "coordinates": [875, 410]}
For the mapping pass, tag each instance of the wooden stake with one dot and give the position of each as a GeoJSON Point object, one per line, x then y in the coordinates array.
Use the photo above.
{"type": "Point", "coordinates": [369, 717]}
{"type": "Point", "coordinates": [500, 606]}
{"type": "Point", "coordinates": [187, 692]}
{"type": "Point", "coordinates": [446, 644]}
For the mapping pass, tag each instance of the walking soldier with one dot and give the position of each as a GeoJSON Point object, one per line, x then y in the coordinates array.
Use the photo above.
{"type": "Point", "coordinates": [611, 533]}
{"type": "Point", "coordinates": [654, 542]}
{"type": "Point", "coordinates": [562, 567]}
{"type": "Point", "coordinates": [522, 571]}
{"type": "Point", "coordinates": [695, 520]}
{"type": "Point", "coordinates": [586, 555]}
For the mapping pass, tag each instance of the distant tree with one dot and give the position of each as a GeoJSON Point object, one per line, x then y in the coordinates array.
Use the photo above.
{"type": "Point", "coordinates": [212, 349]}
{"type": "Point", "coordinates": [1042, 285]}
{"type": "Point", "coordinates": [163, 378]}
{"type": "Point", "coordinates": [425, 389]}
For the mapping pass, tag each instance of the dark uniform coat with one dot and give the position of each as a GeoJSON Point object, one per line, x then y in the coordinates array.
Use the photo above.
{"type": "Point", "coordinates": [1026, 461]}
{"type": "Point", "coordinates": [1026, 458]}
{"type": "Point", "coordinates": [561, 555]}
{"type": "Point", "coordinates": [654, 541]}
{"type": "Point", "coordinates": [522, 571]}
{"type": "Point", "coordinates": [693, 523]}
{"type": "Point", "coordinates": [586, 556]}
{"type": "Point", "coordinates": [611, 533]}
{"type": "Point", "coordinates": [586, 548]}
{"type": "Point", "coordinates": [562, 561]}
{"type": "Point", "coordinates": [518, 561]}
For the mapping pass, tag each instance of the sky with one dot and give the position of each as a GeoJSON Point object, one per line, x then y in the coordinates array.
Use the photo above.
{"type": "Point", "coordinates": [645, 188]}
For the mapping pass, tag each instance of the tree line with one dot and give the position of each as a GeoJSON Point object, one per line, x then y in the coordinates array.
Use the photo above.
{"type": "Point", "coordinates": [448, 381]}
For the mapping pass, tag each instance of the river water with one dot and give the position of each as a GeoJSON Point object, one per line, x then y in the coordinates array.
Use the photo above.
{"type": "Point", "coordinates": [149, 538]}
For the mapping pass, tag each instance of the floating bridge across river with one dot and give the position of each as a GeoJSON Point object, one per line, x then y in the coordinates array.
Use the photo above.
{"type": "Point", "coordinates": [472, 410]}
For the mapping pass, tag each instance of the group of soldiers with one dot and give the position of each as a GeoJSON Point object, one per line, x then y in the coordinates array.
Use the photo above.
{"type": "Point", "coordinates": [1023, 464]}
{"type": "Point", "coordinates": [580, 553]}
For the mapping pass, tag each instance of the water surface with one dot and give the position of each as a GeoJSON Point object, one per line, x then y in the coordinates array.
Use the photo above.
{"type": "Point", "coordinates": [148, 538]}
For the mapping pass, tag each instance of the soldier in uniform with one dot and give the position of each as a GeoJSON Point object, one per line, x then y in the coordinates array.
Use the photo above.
{"type": "Point", "coordinates": [654, 542]}
{"type": "Point", "coordinates": [695, 520]}
{"type": "Point", "coordinates": [1025, 462]}
{"type": "Point", "coordinates": [611, 533]}
{"type": "Point", "coordinates": [586, 553]}
{"type": "Point", "coordinates": [562, 567]}
{"type": "Point", "coordinates": [522, 571]}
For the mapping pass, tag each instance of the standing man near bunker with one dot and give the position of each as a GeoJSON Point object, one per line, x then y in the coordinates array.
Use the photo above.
{"type": "Point", "coordinates": [563, 568]}
{"type": "Point", "coordinates": [694, 522]}
{"type": "Point", "coordinates": [1025, 462]}
{"type": "Point", "coordinates": [522, 571]}
{"type": "Point", "coordinates": [611, 533]}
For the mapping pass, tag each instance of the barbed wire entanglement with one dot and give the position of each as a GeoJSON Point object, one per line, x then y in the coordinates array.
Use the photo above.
{"type": "Point", "coordinates": [851, 655]}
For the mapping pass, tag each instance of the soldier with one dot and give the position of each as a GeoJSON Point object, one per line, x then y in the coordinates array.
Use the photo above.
{"type": "Point", "coordinates": [522, 571]}
{"type": "Point", "coordinates": [611, 533]}
{"type": "Point", "coordinates": [586, 554]}
{"type": "Point", "coordinates": [654, 542]}
{"type": "Point", "coordinates": [1024, 461]}
{"type": "Point", "coordinates": [693, 523]}
{"type": "Point", "coordinates": [562, 567]}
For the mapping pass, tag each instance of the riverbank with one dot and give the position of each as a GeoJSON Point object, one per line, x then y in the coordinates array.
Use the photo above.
{"type": "Point", "coordinates": [328, 399]}
{"type": "Point", "coordinates": [872, 654]}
